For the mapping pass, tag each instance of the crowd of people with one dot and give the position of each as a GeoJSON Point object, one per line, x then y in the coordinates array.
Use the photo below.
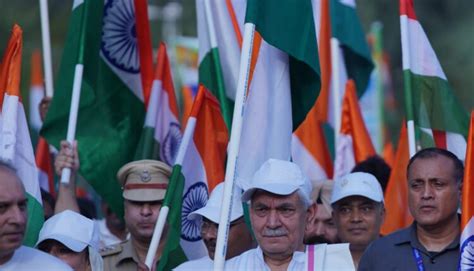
{"type": "Point", "coordinates": [289, 215]}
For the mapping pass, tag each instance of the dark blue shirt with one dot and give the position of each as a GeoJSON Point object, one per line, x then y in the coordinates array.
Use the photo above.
{"type": "Point", "coordinates": [395, 252]}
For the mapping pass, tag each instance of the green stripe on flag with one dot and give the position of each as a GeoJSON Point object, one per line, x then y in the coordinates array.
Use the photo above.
{"type": "Point", "coordinates": [435, 105]}
{"type": "Point", "coordinates": [148, 147]}
{"type": "Point", "coordinates": [109, 113]}
{"type": "Point", "coordinates": [173, 255]}
{"type": "Point", "coordinates": [346, 27]}
{"type": "Point", "coordinates": [210, 75]}
{"type": "Point", "coordinates": [35, 221]}
{"type": "Point", "coordinates": [289, 26]}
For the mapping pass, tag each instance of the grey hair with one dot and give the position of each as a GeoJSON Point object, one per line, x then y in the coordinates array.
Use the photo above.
{"type": "Point", "coordinates": [305, 199]}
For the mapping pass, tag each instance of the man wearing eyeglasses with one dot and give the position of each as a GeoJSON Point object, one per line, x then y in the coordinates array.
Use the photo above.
{"type": "Point", "coordinates": [240, 238]}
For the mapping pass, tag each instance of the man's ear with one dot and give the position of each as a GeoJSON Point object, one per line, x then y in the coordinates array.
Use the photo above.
{"type": "Point", "coordinates": [311, 214]}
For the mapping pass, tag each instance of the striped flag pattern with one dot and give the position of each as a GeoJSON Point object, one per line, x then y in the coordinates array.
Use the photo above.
{"type": "Point", "coordinates": [15, 142]}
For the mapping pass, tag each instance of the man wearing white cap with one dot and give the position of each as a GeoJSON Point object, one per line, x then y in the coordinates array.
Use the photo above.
{"type": "Point", "coordinates": [13, 219]}
{"type": "Point", "coordinates": [72, 238]}
{"type": "Point", "coordinates": [239, 239]}
{"type": "Point", "coordinates": [279, 196]}
{"type": "Point", "coordinates": [358, 211]}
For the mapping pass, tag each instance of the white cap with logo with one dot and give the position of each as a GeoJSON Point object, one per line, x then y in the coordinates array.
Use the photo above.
{"type": "Point", "coordinates": [357, 184]}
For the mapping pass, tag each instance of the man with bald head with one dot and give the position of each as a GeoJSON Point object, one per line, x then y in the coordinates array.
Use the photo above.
{"type": "Point", "coordinates": [13, 220]}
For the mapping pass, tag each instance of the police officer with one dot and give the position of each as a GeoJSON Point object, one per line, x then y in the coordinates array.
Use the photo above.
{"type": "Point", "coordinates": [144, 185]}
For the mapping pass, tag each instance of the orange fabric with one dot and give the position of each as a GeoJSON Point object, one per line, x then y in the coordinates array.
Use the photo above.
{"type": "Point", "coordinates": [235, 23]}
{"type": "Point", "coordinates": [163, 73]}
{"type": "Point", "coordinates": [468, 184]}
{"type": "Point", "coordinates": [187, 94]}
{"type": "Point", "coordinates": [322, 103]}
{"type": "Point", "coordinates": [257, 41]}
{"type": "Point", "coordinates": [145, 52]}
{"type": "Point", "coordinates": [311, 135]}
{"type": "Point", "coordinates": [353, 124]}
{"type": "Point", "coordinates": [43, 162]}
{"type": "Point", "coordinates": [388, 154]}
{"type": "Point", "coordinates": [36, 69]}
{"type": "Point", "coordinates": [10, 67]}
{"type": "Point", "coordinates": [210, 136]}
{"type": "Point", "coordinates": [396, 196]}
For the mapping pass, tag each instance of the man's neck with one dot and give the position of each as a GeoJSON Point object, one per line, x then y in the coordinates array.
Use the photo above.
{"type": "Point", "coordinates": [437, 238]}
{"type": "Point", "coordinates": [356, 253]}
{"type": "Point", "coordinates": [277, 264]}
{"type": "Point", "coordinates": [141, 247]}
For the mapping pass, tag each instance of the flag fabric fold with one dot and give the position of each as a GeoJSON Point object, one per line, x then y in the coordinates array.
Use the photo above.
{"type": "Point", "coordinates": [36, 90]}
{"type": "Point", "coordinates": [161, 133]}
{"type": "Point", "coordinates": [430, 100]}
{"type": "Point", "coordinates": [355, 144]}
{"type": "Point", "coordinates": [111, 108]}
{"type": "Point", "coordinates": [396, 196]}
{"type": "Point", "coordinates": [219, 63]}
{"type": "Point", "coordinates": [195, 176]}
{"type": "Point", "coordinates": [15, 142]}
{"type": "Point", "coordinates": [284, 80]}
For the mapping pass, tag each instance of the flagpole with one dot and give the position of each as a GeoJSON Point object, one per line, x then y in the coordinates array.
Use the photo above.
{"type": "Point", "coordinates": [376, 30]}
{"type": "Point", "coordinates": [407, 85]}
{"type": "Point", "coordinates": [221, 94]}
{"type": "Point", "coordinates": [46, 39]}
{"type": "Point", "coordinates": [160, 224]}
{"type": "Point", "coordinates": [76, 92]}
{"type": "Point", "coordinates": [336, 94]}
{"type": "Point", "coordinates": [233, 147]}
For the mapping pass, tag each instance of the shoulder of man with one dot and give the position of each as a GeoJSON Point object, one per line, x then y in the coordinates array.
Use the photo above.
{"type": "Point", "coordinates": [112, 249]}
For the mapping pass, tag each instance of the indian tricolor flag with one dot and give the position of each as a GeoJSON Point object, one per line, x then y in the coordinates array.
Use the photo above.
{"type": "Point", "coordinates": [161, 134]}
{"type": "Point", "coordinates": [111, 109]}
{"type": "Point", "coordinates": [284, 80]}
{"type": "Point", "coordinates": [430, 100]}
{"type": "Point", "coordinates": [355, 144]}
{"type": "Point", "coordinates": [467, 209]}
{"type": "Point", "coordinates": [15, 142]}
{"type": "Point", "coordinates": [36, 90]}
{"type": "Point", "coordinates": [220, 27]}
{"type": "Point", "coordinates": [309, 148]}
{"type": "Point", "coordinates": [200, 166]}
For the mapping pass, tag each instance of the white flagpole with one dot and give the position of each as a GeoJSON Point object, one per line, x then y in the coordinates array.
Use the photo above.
{"type": "Point", "coordinates": [233, 147]}
{"type": "Point", "coordinates": [71, 128]}
{"type": "Point", "coordinates": [160, 224]}
{"type": "Point", "coordinates": [337, 88]}
{"type": "Point", "coordinates": [46, 39]}
{"type": "Point", "coordinates": [76, 91]}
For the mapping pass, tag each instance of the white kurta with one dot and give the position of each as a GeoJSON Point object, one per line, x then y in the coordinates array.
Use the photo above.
{"type": "Point", "coordinates": [253, 260]}
{"type": "Point", "coordinates": [27, 259]}
{"type": "Point", "coordinates": [204, 263]}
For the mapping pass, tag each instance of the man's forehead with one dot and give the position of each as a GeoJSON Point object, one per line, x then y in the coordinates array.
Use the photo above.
{"type": "Point", "coordinates": [437, 167]}
{"type": "Point", "coordinates": [261, 196]}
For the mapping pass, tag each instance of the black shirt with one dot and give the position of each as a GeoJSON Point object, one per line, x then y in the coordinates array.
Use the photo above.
{"type": "Point", "coordinates": [395, 252]}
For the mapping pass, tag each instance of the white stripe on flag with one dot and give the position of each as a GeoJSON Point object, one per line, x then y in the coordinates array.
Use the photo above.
{"type": "Point", "coordinates": [303, 158]}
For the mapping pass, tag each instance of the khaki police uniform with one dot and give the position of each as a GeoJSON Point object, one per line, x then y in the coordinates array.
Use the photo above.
{"type": "Point", "coordinates": [143, 180]}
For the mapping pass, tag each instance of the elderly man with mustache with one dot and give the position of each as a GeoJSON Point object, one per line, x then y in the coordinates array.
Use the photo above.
{"type": "Point", "coordinates": [279, 196]}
